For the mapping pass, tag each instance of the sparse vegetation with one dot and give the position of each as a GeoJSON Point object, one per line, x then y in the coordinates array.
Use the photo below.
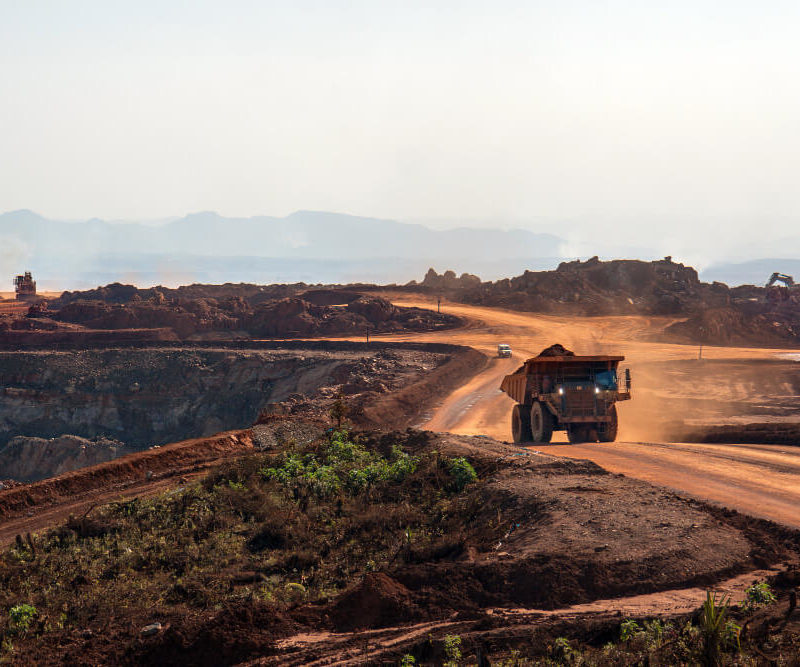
{"type": "Point", "coordinates": [276, 529]}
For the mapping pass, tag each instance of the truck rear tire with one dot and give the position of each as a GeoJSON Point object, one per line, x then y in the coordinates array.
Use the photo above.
{"type": "Point", "coordinates": [521, 424]}
{"type": "Point", "coordinates": [607, 432]}
{"type": "Point", "coordinates": [541, 423]}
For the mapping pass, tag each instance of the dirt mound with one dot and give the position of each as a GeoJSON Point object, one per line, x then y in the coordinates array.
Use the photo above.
{"type": "Point", "coordinates": [122, 294]}
{"type": "Point", "coordinates": [238, 632]}
{"type": "Point", "coordinates": [592, 287]}
{"type": "Point", "coordinates": [556, 350]}
{"type": "Point", "coordinates": [290, 316]}
{"type": "Point", "coordinates": [532, 530]}
{"type": "Point", "coordinates": [754, 324]}
{"type": "Point", "coordinates": [376, 602]}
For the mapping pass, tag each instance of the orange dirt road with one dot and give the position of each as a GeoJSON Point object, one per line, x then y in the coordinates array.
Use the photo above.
{"type": "Point", "coordinates": [760, 480]}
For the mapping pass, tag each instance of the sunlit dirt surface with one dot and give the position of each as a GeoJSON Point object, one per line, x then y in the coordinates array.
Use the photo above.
{"type": "Point", "coordinates": [761, 480]}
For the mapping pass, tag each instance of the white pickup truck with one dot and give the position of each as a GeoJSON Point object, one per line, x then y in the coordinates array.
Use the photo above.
{"type": "Point", "coordinates": [503, 350]}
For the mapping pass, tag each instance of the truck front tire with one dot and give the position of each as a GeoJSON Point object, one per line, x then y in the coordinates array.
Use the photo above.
{"type": "Point", "coordinates": [521, 424]}
{"type": "Point", "coordinates": [541, 423]}
{"type": "Point", "coordinates": [607, 432]}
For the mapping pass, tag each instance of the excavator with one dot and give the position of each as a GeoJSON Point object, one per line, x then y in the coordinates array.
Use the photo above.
{"type": "Point", "coordinates": [780, 278]}
{"type": "Point", "coordinates": [788, 293]}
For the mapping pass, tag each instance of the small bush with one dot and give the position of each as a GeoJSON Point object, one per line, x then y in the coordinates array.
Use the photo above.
{"type": "Point", "coordinates": [628, 629]}
{"type": "Point", "coordinates": [461, 472]}
{"type": "Point", "coordinates": [20, 617]}
{"type": "Point", "coordinates": [452, 650]}
{"type": "Point", "coordinates": [563, 652]}
{"type": "Point", "coordinates": [758, 595]}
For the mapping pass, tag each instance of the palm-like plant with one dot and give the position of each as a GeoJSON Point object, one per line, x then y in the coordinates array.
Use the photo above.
{"type": "Point", "coordinates": [712, 626]}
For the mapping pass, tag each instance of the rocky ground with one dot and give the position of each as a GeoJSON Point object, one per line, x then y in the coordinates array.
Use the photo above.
{"type": "Point", "coordinates": [212, 312]}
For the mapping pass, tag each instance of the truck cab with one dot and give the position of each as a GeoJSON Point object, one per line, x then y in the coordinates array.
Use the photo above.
{"type": "Point", "coordinates": [503, 350]}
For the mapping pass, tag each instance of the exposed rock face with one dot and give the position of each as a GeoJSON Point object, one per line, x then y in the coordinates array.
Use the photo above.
{"type": "Point", "coordinates": [144, 397]}
{"type": "Point", "coordinates": [556, 350]}
{"type": "Point", "coordinates": [449, 281]}
{"type": "Point", "coordinates": [594, 288]}
{"type": "Point", "coordinates": [27, 459]}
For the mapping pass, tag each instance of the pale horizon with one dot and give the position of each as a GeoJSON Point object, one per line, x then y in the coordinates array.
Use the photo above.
{"type": "Point", "coordinates": [663, 127]}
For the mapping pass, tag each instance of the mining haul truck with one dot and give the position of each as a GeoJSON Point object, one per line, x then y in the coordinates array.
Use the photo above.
{"type": "Point", "coordinates": [567, 393]}
{"type": "Point", "coordinates": [25, 287]}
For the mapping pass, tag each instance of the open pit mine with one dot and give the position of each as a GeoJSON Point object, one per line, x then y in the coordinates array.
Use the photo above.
{"type": "Point", "coordinates": [296, 474]}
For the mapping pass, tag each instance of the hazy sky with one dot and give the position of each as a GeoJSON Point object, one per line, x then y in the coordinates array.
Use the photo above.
{"type": "Point", "coordinates": [610, 115]}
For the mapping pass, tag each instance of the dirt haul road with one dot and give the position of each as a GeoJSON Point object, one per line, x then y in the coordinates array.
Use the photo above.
{"type": "Point", "coordinates": [760, 480]}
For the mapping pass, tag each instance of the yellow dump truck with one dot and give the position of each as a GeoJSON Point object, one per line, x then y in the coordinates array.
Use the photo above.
{"type": "Point", "coordinates": [567, 393]}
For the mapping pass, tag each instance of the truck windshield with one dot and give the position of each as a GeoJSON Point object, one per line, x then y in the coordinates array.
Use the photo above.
{"type": "Point", "coordinates": [606, 379]}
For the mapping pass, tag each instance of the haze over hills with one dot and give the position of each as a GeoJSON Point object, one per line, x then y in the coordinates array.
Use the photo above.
{"type": "Point", "coordinates": [305, 246]}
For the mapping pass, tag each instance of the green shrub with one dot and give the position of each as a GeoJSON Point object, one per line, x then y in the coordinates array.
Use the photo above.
{"type": "Point", "coordinates": [758, 595]}
{"type": "Point", "coordinates": [342, 464]}
{"type": "Point", "coordinates": [20, 617]}
{"type": "Point", "coordinates": [461, 472]}
{"type": "Point", "coordinates": [731, 637]}
{"type": "Point", "coordinates": [563, 652]}
{"type": "Point", "coordinates": [628, 629]}
{"type": "Point", "coordinates": [452, 650]}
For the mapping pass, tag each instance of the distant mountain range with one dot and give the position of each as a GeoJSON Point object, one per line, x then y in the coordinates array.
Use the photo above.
{"type": "Point", "coordinates": [305, 246]}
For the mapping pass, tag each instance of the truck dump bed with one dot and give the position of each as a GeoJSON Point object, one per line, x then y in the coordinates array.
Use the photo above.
{"type": "Point", "coordinates": [531, 378]}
